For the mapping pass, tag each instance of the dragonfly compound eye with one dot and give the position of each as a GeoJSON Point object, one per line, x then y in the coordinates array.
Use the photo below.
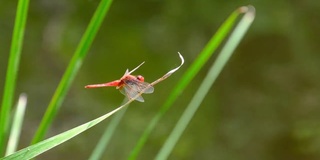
{"type": "Point", "coordinates": [140, 78]}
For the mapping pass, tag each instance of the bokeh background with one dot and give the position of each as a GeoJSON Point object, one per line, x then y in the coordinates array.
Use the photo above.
{"type": "Point", "coordinates": [264, 105]}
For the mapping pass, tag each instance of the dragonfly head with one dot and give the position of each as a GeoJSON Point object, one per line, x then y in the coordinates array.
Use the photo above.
{"type": "Point", "coordinates": [140, 78]}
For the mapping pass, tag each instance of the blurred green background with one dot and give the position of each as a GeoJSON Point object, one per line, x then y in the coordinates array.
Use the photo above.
{"type": "Point", "coordinates": [264, 105]}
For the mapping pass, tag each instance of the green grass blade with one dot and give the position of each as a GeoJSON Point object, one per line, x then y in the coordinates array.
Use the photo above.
{"type": "Point", "coordinates": [72, 69]}
{"type": "Point", "coordinates": [16, 125]}
{"type": "Point", "coordinates": [12, 70]}
{"type": "Point", "coordinates": [41, 147]}
{"type": "Point", "coordinates": [104, 140]}
{"type": "Point", "coordinates": [205, 54]}
{"type": "Point", "coordinates": [111, 128]}
{"type": "Point", "coordinates": [205, 86]}
{"type": "Point", "coordinates": [38, 148]}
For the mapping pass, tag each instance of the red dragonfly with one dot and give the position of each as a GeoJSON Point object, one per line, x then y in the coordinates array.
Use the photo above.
{"type": "Point", "coordinates": [129, 85]}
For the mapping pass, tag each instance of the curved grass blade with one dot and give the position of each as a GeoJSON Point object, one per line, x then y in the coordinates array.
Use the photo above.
{"type": "Point", "coordinates": [40, 147]}
{"type": "Point", "coordinates": [16, 125]}
{"type": "Point", "coordinates": [97, 153]}
{"type": "Point", "coordinates": [12, 71]}
{"type": "Point", "coordinates": [72, 69]}
{"type": "Point", "coordinates": [208, 81]}
{"type": "Point", "coordinates": [195, 67]}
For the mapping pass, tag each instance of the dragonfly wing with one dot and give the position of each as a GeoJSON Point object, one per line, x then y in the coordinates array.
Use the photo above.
{"type": "Point", "coordinates": [146, 87]}
{"type": "Point", "coordinates": [122, 90]}
{"type": "Point", "coordinates": [133, 87]}
{"type": "Point", "coordinates": [131, 93]}
{"type": "Point", "coordinates": [139, 87]}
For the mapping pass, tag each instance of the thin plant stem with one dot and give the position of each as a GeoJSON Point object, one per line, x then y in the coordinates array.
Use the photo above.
{"type": "Point", "coordinates": [72, 69]}
{"type": "Point", "coordinates": [40, 147]}
{"type": "Point", "coordinates": [17, 125]}
{"type": "Point", "coordinates": [12, 70]}
{"type": "Point", "coordinates": [191, 72]}
{"type": "Point", "coordinates": [208, 81]}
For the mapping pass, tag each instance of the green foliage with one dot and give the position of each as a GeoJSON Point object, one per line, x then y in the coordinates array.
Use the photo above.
{"type": "Point", "coordinates": [208, 81]}
{"type": "Point", "coordinates": [39, 146]}
{"type": "Point", "coordinates": [203, 57]}
{"type": "Point", "coordinates": [12, 70]}
{"type": "Point", "coordinates": [72, 69]}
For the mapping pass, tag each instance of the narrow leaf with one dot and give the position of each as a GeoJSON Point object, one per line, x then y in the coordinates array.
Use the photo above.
{"type": "Point", "coordinates": [72, 69]}
{"type": "Point", "coordinates": [12, 70]}
{"type": "Point", "coordinates": [40, 147]}
{"type": "Point", "coordinates": [110, 129]}
{"type": "Point", "coordinates": [208, 81]}
{"type": "Point", "coordinates": [195, 67]}
{"type": "Point", "coordinates": [16, 125]}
